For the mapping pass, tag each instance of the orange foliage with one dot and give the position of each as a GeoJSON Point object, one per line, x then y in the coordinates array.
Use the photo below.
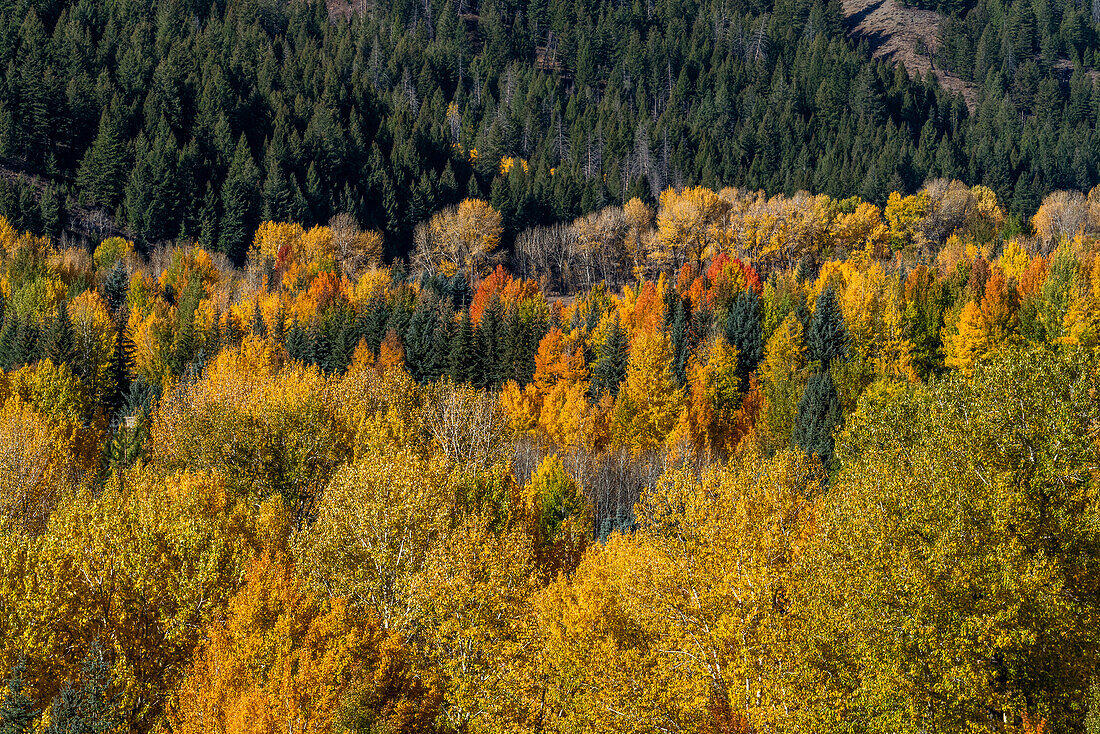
{"type": "Point", "coordinates": [391, 354]}
{"type": "Point", "coordinates": [284, 660]}
{"type": "Point", "coordinates": [495, 284]}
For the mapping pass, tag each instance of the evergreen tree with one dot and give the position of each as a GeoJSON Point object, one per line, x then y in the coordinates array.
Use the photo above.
{"type": "Point", "coordinates": [121, 367]}
{"type": "Point", "coordinates": [318, 345]}
{"type": "Point", "coordinates": [490, 339]}
{"type": "Point", "coordinates": [239, 204]}
{"type": "Point", "coordinates": [818, 415]}
{"type": "Point", "coordinates": [744, 331]}
{"type": "Point", "coordinates": [679, 339]}
{"type": "Point", "coordinates": [374, 323]}
{"type": "Point", "coordinates": [17, 709]}
{"type": "Point", "coordinates": [59, 342]}
{"type": "Point", "coordinates": [27, 349]}
{"type": "Point", "coordinates": [827, 337]}
{"type": "Point", "coordinates": [344, 339]}
{"type": "Point", "coordinates": [187, 344]}
{"type": "Point", "coordinates": [115, 287]}
{"type": "Point", "coordinates": [419, 337]}
{"type": "Point", "coordinates": [464, 365]}
{"type": "Point", "coordinates": [103, 169]}
{"type": "Point", "coordinates": [9, 335]}
{"type": "Point", "coordinates": [51, 213]}
{"type": "Point", "coordinates": [609, 370]}
{"type": "Point", "coordinates": [439, 362]}
{"type": "Point", "coordinates": [259, 327]}
{"type": "Point", "coordinates": [97, 709]}
{"type": "Point", "coordinates": [296, 346]}
{"type": "Point", "coordinates": [65, 712]}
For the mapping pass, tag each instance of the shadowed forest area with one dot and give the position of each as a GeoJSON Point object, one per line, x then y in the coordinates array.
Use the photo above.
{"type": "Point", "coordinates": [193, 120]}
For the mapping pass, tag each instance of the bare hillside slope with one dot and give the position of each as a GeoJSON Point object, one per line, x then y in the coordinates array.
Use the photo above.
{"type": "Point", "coordinates": [892, 30]}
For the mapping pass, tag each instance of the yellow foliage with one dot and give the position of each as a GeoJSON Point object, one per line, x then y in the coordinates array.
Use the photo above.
{"type": "Point", "coordinates": [521, 405]}
{"type": "Point", "coordinates": [969, 342]}
{"type": "Point", "coordinates": [903, 214]}
{"type": "Point", "coordinates": [110, 251]}
{"type": "Point", "coordinates": [138, 570]}
{"type": "Point", "coordinates": [649, 401]}
{"type": "Point", "coordinates": [284, 660]}
{"type": "Point", "coordinates": [691, 225]}
{"type": "Point", "coordinates": [1015, 259]}
{"type": "Point", "coordinates": [461, 237]}
{"type": "Point", "coordinates": [681, 625]}
{"type": "Point", "coordinates": [37, 466]}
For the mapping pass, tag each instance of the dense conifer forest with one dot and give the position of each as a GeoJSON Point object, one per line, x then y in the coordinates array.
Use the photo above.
{"type": "Point", "coordinates": [197, 120]}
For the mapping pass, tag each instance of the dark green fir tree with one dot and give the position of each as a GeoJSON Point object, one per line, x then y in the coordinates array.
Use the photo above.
{"type": "Point", "coordinates": [817, 418]}
{"type": "Point", "coordinates": [827, 337]}
{"type": "Point", "coordinates": [17, 712]}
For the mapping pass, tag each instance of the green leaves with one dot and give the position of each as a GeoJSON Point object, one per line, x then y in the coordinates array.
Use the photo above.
{"type": "Point", "coordinates": [955, 571]}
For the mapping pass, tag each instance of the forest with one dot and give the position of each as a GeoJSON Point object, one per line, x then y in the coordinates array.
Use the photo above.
{"type": "Point", "coordinates": [199, 120]}
{"type": "Point", "coordinates": [732, 463]}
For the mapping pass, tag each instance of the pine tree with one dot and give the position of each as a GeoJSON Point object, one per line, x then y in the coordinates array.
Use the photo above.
{"type": "Point", "coordinates": [419, 337]}
{"type": "Point", "coordinates": [513, 346]}
{"type": "Point", "coordinates": [296, 341]}
{"type": "Point", "coordinates": [678, 332]}
{"type": "Point", "coordinates": [259, 327]}
{"type": "Point", "coordinates": [318, 345]}
{"type": "Point", "coordinates": [96, 709]}
{"type": "Point", "coordinates": [464, 365]}
{"type": "Point", "coordinates": [490, 345]}
{"type": "Point", "coordinates": [27, 347]}
{"type": "Point", "coordinates": [51, 213]}
{"type": "Point", "coordinates": [9, 335]}
{"type": "Point", "coordinates": [115, 287]}
{"type": "Point", "coordinates": [103, 170]}
{"type": "Point", "coordinates": [65, 712]}
{"type": "Point", "coordinates": [374, 323]}
{"type": "Point", "coordinates": [59, 342]}
{"type": "Point", "coordinates": [239, 203]}
{"type": "Point", "coordinates": [439, 362]}
{"type": "Point", "coordinates": [744, 331]}
{"type": "Point", "coordinates": [344, 339]}
{"type": "Point", "coordinates": [17, 709]}
{"type": "Point", "coordinates": [609, 370]}
{"type": "Point", "coordinates": [818, 415]}
{"type": "Point", "coordinates": [121, 367]}
{"type": "Point", "coordinates": [827, 337]}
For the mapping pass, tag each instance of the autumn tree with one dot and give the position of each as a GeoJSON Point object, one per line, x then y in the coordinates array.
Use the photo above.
{"type": "Point", "coordinates": [464, 237]}
{"type": "Point", "coordinates": [37, 466]}
{"type": "Point", "coordinates": [682, 623]}
{"type": "Point", "coordinates": [690, 225]}
{"type": "Point", "coordinates": [1062, 215]}
{"type": "Point", "coordinates": [938, 583]}
{"type": "Point", "coordinates": [133, 570]}
{"type": "Point", "coordinates": [649, 400]}
{"type": "Point", "coordinates": [285, 659]}
{"type": "Point", "coordinates": [561, 517]}
{"type": "Point", "coordinates": [781, 374]}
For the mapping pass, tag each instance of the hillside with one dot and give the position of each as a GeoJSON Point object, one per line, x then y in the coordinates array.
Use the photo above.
{"type": "Point", "coordinates": [388, 112]}
{"type": "Point", "coordinates": [891, 29]}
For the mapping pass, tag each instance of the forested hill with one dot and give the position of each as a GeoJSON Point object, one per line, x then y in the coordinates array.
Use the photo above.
{"type": "Point", "coordinates": [197, 120]}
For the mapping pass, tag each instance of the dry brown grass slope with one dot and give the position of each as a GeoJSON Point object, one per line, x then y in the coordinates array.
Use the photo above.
{"type": "Point", "coordinates": [892, 30]}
